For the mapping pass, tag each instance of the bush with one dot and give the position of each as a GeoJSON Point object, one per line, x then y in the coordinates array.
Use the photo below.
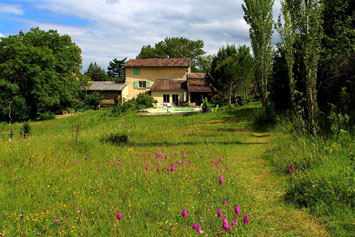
{"type": "Point", "coordinates": [26, 130]}
{"type": "Point", "coordinates": [144, 100]}
{"type": "Point", "coordinates": [185, 104]}
{"type": "Point", "coordinates": [116, 139]}
{"type": "Point", "coordinates": [46, 116]}
{"type": "Point", "coordinates": [91, 101]}
{"type": "Point", "coordinates": [206, 106]}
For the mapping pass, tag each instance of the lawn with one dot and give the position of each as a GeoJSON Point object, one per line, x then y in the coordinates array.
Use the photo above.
{"type": "Point", "coordinates": [51, 184]}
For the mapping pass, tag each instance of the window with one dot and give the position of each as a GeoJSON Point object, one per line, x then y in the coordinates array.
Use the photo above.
{"type": "Point", "coordinates": [175, 99]}
{"type": "Point", "coordinates": [136, 71]}
{"type": "Point", "coordinates": [166, 98]}
{"type": "Point", "coordinates": [142, 84]}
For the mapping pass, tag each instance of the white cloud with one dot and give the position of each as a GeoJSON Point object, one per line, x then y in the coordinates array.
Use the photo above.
{"type": "Point", "coordinates": [1, 35]}
{"type": "Point", "coordinates": [119, 28]}
{"type": "Point", "coordinates": [10, 8]}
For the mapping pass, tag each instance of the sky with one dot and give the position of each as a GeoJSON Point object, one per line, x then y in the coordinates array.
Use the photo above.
{"type": "Point", "coordinates": [107, 29]}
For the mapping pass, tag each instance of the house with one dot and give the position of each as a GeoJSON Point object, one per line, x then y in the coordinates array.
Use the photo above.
{"type": "Point", "coordinates": [111, 93]}
{"type": "Point", "coordinates": [168, 80]}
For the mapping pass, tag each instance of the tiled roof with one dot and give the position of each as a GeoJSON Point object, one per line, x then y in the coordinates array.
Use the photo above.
{"type": "Point", "coordinates": [169, 85]}
{"type": "Point", "coordinates": [159, 62]}
{"type": "Point", "coordinates": [106, 86]}
{"type": "Point", "coordinates": [196, 75]}
{"type": "Point", "coordinates": [197, 82]}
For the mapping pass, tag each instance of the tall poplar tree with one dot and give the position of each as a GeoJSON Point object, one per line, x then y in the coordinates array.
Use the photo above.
{"type": "Point", "coordinates": [306, 20]}
{"type": "Point", "coordinates": [258, 14]}
{"type": "Point", "coordinates": [286, 30]}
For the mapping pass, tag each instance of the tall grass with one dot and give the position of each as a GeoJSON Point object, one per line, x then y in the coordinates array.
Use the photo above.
{"type": "Point", "coordinates": [322, 176]}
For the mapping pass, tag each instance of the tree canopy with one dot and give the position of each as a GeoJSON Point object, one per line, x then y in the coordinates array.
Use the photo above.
{"type": "Point", "coordinates": [177, 48]}
{"type": "Point", "coordinates": [258, 14]}
{"type": "Point", "coordinates": [37, 73]}
{"type": "Point", "coordinates": [96, 73]}
{"type": "Point", "coordinates": [116, 70]}
{"type": "Point", "coordinates": [232, 70]}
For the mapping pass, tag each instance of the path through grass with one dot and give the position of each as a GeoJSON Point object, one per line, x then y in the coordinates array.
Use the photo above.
{"type": "Point", "coordinates": [47, 178]}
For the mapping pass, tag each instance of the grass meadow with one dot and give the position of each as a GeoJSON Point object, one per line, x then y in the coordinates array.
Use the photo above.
{"type": "Point", "coordinates": [56, 185]}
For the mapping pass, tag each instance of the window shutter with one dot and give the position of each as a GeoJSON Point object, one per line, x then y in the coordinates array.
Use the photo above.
{"type": "Point", "coordinates": [135, 84]}
{"type": "Point", "coordinates": [148, 84]}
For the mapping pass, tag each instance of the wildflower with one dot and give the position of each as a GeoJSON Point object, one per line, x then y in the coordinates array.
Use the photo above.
{"type": "Point", "coordinates": [166, 157]}
{"type": "Point", "coordinates": [86, 158]}
{"type": "Point", "coordinates": [35, 164]}
{"type": "Point", "coordinates": [235, 223]}
{"type": "Point", "coordinates": [158, 169]}
{"type": "Point", "coordinates": [145, 175]}
{"type": "Point", "coordinates": [213, 162]}
{"type": "Point", "coordinates": [201, 156]}
{"type": "Point", "coordinates": [237, 210]}
{"type": "Point", "coordinates": [119, 215]}
{"type": "Point", "coordinates": [222, 170]}
{"type": "Point", "coordinates": [38, 233]}
{"type": "Point", "coordinates": [224, 202]}
{"type": "Point", "coordinates": [137, 154]}
{"type": "Point", "coordinates": [57, 220]}
{"type": "Point", "coordinates": [226, 224]}
{"type": "Point", "coordinates": [219, 213]}
{"type": "Point", "coordinates": [198, 228]}
{"type": "Point", "coordinates": [172, 164]}
{"type": "Point", "coordinates": [184, 213]}
{"type": "Point", "coordinates": [221, 179]}
{"type": "Point", "coordinates": [246, 219]}
{"type": "Point", "coordinates": [169, 169]}
{"type": "Point", "coordinates": [183, 154]}
{"type": "Point", "coordinates": [290, 169]}
{"type": "Point", "coordinates": [179, 162]}
{"type": "Point", "coordinates": [194, 226]}
{"type": "Point", "coordinates": [146, 168]}
{"type": "Point", "coordinates": [220, 159]}
{"type": "Point", "coordinates": [190, 161]}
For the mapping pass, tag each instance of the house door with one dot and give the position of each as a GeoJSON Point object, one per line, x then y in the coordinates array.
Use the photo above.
{"type": "Point", "coordinates": [175, 99]}
{"type": "Point", "coordinates": [166, 98]}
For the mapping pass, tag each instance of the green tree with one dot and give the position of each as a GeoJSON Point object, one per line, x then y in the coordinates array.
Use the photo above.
{"type": "Point", "coordinates": [96, 73]}
{"type": "Point", "coordinates": [232, 70]}
{"type": "Point", "coordinates": [36, 73]}
{"type": "Point", "coordinates": [176, 48]}
{"type": "Point", "coordinates": [287, 33]}
{"type": "Point", "coordinates": [116, 70]}
{"type": "Point", "coordinates": [258, 14]}
{"type": "Point", "coordinates": [306, 20]}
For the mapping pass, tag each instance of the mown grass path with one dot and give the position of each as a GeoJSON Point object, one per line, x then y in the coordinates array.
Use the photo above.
{"type": "Point", "coordinates": [61, 193]}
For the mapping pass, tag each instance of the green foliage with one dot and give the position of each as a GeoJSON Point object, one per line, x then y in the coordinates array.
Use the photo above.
{"type": "Point", "coordinates": [339, 122]}
{"type": "Point", "coordinates": [26, 130]}
{"type": "Point", "coordinates": [96, 73]}
{"type": "Point", "coordinates": [145, 100]}
{"type": "Point", "coordinates": [36, 73]}
{"type": "Point", "coordinates": [116, 139]}
{"type": "Point", "coordinates": [177, 48]}
{"type": "Point", "coordinates": [323, 175]}
{"type": "Point", "coordinates": [116, 70]}
{"type": "Point", "coordinates": [206, 106]}
{"type": "Point", "coordinates": [258, 14]}
{"type": "Point", "coordinates": [92, 101]}
{"type": "Point", "coordinates": [232, 70]}
{"type": "Point", "coordinates": [46, 116]}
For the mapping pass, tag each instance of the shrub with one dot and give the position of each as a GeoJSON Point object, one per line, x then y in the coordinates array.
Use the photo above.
{"type": "Point", "coordinates": [145, 100]}
{"type": "Point", "coordinates": [185, 104]}
{"type": "Point", "coordinates": [26, 130]}
{"type": "Point", "coordinates": [130, 105]}
{"type": "Point", "coordinates": [206, 106]}
{"type": "Point", "coordinates": [116, 139]}
{"type": "Point", "coordinates": [46, 116]}
{"type": "Point", "coordinates": [91, 101]}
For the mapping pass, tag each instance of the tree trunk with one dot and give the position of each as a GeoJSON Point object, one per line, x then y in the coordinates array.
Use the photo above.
{"type": "Point", "coordinates": [230, 95]}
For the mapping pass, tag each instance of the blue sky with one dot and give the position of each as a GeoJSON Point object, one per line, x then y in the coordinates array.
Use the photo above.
{"type": "Point", "coordinates": [107, 29]}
